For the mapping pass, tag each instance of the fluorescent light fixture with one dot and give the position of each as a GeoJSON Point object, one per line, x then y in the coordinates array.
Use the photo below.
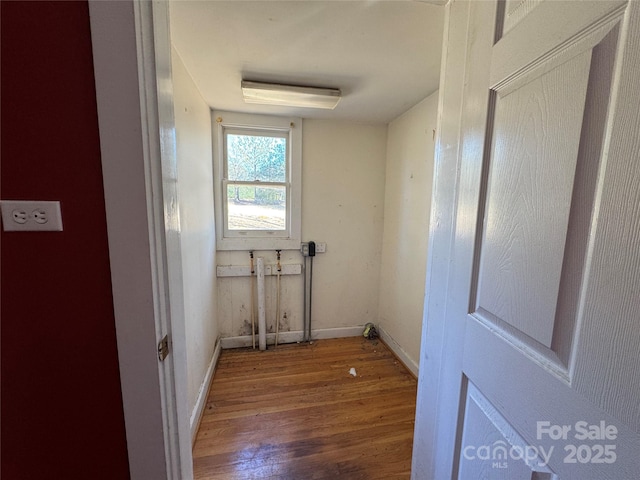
{"type": "Point", "coordinates": [290, 95]}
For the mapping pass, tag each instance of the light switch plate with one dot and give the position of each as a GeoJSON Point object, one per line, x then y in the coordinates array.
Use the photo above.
{"type": "Point", "coordinates": [29, 215]}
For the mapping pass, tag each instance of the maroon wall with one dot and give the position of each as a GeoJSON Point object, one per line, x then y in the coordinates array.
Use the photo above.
{"type": "Point", "coordinates": [61, 404]}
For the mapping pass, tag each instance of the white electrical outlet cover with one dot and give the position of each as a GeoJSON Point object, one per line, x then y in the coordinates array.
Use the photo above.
{"type": "Point", "coordinates": [30, 215]}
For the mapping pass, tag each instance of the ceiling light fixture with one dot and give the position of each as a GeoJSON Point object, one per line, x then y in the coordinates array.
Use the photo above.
{"type": "Point", "coordinates": [290, 95]}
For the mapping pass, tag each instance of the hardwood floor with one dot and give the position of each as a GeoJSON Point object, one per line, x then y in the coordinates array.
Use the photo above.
{"type": "Point", "coordinates": [296, 413]}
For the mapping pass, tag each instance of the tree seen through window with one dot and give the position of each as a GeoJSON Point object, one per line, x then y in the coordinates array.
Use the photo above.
{"type": "Point", "coordinates": [257, 176]}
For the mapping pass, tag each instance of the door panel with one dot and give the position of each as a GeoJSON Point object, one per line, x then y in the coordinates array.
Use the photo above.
{"type": "Point", "coordinates": [488, 437]}
{"type": "Point", "coordinates": [541, 324]}
{"type": "Point", "coordinates": [516, 10]}
{"type": "Point", "coordinates": [525, 394]}
{"type": "Point", "coordinates": [529, 198]}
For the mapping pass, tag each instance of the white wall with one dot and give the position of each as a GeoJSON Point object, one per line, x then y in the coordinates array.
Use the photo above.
{"type": "Point", "coordinates": [409, 175]}
{"type": "Point", "coordinates": [343, 205]}
{"type": "Point", "coordinates": [195, 189]}
{"type": "Point", "coordinates": [343, 168]}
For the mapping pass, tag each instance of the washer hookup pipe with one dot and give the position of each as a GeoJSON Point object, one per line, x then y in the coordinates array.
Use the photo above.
{"type": "Point", "coordinates": [278, 297]}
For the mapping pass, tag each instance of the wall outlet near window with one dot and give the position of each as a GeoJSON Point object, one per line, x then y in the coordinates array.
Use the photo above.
{"type": "Point", "coordinates": [321, 247]}
{"type": "Point", "coordinates": [29, 215]}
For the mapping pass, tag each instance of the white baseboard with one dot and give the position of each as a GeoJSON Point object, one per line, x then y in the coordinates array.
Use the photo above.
{"type": "Point", "coordinates": [293, 337]}
{"type": "Point", "coordinates": [198, 408]}
{"type": "Point", "coordinates": [398, 351]}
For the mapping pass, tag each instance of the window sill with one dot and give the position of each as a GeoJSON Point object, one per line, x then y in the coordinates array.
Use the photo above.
{"type": "Point", "coordinates": [258, 244]}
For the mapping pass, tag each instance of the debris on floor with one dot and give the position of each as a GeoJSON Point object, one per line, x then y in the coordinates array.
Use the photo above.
{"type": "Point", "coordinates": [370, 331]}
{"type": "Point", "coordinates": [352, 371]}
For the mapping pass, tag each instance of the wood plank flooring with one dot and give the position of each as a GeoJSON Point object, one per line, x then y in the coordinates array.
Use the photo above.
{"type": "Point", "coordinates": [296, 413]}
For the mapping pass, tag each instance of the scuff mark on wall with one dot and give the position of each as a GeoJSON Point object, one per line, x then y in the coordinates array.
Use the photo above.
{"type": "Point", "coordinates": [284, 323]}
{"type": "Point", "coordinates": [246, 328]}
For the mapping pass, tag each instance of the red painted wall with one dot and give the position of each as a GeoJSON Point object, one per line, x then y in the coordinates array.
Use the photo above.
{"type": "Point", "coordinates": [61, 404]}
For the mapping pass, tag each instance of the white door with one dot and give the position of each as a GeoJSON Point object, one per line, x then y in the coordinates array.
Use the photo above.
{"type": "Point", "coordinates": [530, 364]}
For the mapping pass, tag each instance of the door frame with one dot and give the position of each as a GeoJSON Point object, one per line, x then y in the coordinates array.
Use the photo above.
{"type": "Point", "coordinates": [132, 58]}
{"type": "Point", "coordinates": [441, 351]}
{"type": "Point", "coordinates": [131, 51]}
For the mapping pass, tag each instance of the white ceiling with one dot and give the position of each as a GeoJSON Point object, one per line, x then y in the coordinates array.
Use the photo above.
{"type": "Point", "coordinates": [383, 55]}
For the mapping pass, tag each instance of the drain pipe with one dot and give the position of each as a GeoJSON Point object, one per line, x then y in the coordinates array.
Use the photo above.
{"type": "Point", "coordinates": [278, 297]}
{"type": "Point", "coordinates": [262, 321]}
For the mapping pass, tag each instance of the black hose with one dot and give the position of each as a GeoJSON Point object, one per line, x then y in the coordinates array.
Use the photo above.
{"type": "Point", "coordinates": [310, 295]}
{"type": "Point", "coordinates": [304, 302]}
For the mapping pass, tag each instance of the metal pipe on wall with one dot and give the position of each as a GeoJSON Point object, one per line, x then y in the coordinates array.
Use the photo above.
{"type": "Point", "coordinates": [262, 320]}
{"type": "Point", "coordinates": [279, 270]}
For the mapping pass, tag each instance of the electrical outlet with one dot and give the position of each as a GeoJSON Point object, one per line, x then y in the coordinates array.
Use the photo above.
{"type": "Point", "coordinates": [19, 216]}
{"type": "Point", "coordinates": [321, 247]}
{"type": "Point", "coordinates": [40, 215]}
{"type": "Point", "coordinates": [28, 215]}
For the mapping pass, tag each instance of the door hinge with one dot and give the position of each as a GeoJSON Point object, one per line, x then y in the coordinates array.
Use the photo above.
{"type": "Point", "coordinates": [163, 348]}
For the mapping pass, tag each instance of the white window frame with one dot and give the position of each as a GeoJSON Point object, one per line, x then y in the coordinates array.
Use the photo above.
{"type": "Point", "coordinates": [290, 238]}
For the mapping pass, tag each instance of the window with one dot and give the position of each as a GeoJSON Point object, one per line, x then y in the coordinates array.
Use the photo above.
{"type": "Point", "coordinates": [257, 165]}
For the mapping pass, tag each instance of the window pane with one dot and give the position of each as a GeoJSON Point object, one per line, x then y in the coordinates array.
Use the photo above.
{"type": "Point", "coordinates": [256, 208]}
{"type": "Point", "coordinates": [252, 157]}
